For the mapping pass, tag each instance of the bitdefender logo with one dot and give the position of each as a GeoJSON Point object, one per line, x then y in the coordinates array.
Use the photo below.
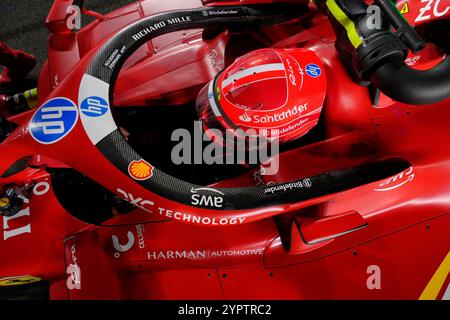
{"type": "Point", "coordinates": [221, 12]}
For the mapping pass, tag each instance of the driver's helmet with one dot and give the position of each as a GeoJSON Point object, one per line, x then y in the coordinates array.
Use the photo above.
{"type": "Point", "coordinates": [277, 94]}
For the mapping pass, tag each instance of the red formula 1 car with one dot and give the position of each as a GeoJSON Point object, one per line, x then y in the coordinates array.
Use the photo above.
{"type": "Point", "coordinates": [94, 206]}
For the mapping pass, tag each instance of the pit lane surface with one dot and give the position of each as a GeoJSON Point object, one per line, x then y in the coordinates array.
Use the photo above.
{"type": "Point", "coordinates": [22, 26]}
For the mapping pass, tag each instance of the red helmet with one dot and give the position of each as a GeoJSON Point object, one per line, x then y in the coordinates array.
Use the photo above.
{"type": "Point", "coordinates": [277, 93]}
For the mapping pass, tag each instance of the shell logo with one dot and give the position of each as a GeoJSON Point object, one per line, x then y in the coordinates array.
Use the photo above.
{"type": "Point", "coordinates": [140, 170]}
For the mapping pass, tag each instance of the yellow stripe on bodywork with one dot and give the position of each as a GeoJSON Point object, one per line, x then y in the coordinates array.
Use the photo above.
{"type": "Point", "coordinates": [346, 22]}
{"type": "Point", "coordinates": [31, 98]}
{"type": "Point", "coordinates": [435, 285]}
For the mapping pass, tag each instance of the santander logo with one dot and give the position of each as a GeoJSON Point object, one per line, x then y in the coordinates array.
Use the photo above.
{"type": "Point", "coordinates": [245, 118]}
{"type": "Point", "coordinates": [270, 118]}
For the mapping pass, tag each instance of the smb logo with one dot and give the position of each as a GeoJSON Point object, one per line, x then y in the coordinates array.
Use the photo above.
{"type": "Point", "coordinates": [54, 120]}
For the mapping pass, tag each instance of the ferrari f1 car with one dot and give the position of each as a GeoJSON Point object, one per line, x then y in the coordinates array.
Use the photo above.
{"type": "Point", "coordinates": [354, 93]}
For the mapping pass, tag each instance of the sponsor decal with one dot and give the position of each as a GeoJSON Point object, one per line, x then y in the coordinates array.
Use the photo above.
{"type": "Point", "coordinates": [201, 254]}
{"type": "Point", "coordinates": [54, 120]}
{"type": "Point", "coordinates": [245, 118]}
{"type": "Point", "coordinates": [18, 281]}
{"type": "Point", "coordinates": [185, 217]}
{"type": "Point", "coordinates": [305, 183]}
{"type": "Point", "coordinates": [140, 170]}
{"type": "Point", "coordinates": [397, 181]}
{"type": "Point", "coordinates": [131, 240]}
{"type": "Point", "coordinates": [207, 13]}
{"type": "Point", "coordinates": [94, 107]}
{"type": "Point", "coordinates": [160, 25]}
{"type": "Point", "coordinates": [276, 117]}
{"type": "Point", "coordinates": [295, 126]}
{"type": "Point", "coordinates": [313, 70]}
{"type": "Point", "coordinates": [121, 248]}
{"type": "Point", "coordinates": [137, 202]}
{"type": "Point", "coordinates": [149, 30]}
{"type": "Point", "coordinates": [179, 20]}
{"type": "Point", "coordinates": [10, 231]}
{"type": "Point", "coordinates": [140, 230]}
{"type": "Point", "coordinates": [115, 56]}
{"type": "Point", "coordinates": [200, 199]}
{"type": "Point", "coordinates": [433, 9]}
{"type": "Point", "coordinates": [148, 205]}
{"type": "Point", "coordinates": [95, 112]}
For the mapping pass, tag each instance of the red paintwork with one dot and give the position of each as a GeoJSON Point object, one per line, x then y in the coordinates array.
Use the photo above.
{"type": "Point", "coordinates": [318, 230]}
{"type": "Point", "coordinates": [407, 216]}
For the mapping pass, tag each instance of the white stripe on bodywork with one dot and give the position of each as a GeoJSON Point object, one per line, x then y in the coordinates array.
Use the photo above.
{"type": "Point", "coordinates": [447, 294]}
{"type": "Point", "coordinates": [250, 71]}
{"type": "Point", "coordinates": [97, 128]}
